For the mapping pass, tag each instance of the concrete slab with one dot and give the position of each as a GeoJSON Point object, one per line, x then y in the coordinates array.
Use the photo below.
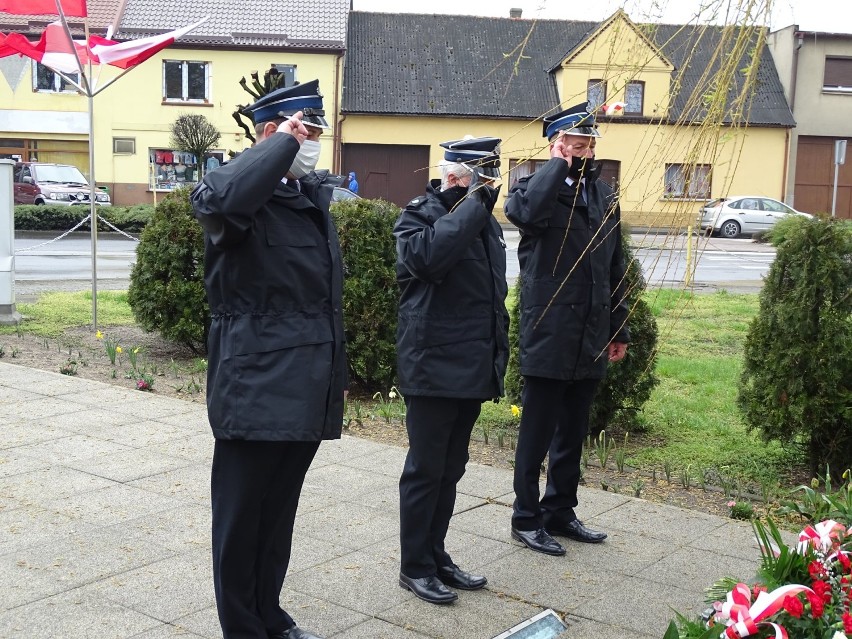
{"type": "Point", "coordinates": [378, 629]}
{"type": "Point", "coordinates": [360, 581]}
{"type": "Point", "coordinates": [74, 615]}
{"type": "Point", "coordinates": [476, 614]}
{"type": "Point", "coordinates": [105, 527]}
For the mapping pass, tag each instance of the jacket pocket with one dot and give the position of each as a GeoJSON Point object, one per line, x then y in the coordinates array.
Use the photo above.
{"type": "Point", "coordinates": [432, 332]}
{"type": "Point", "coordinates": [263, 334]}
{"type": "Point", "coordinates": [280, 234]}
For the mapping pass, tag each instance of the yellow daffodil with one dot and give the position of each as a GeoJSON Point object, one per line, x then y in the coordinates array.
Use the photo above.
{"type": "Point", "coordinates": [118, 349]}
{"type": "Point", "coordinates": [99, 335]}
{"type": "Point", "coordinates": [136, 350]}
{"type": "Point", "coordinates": [515, 411]}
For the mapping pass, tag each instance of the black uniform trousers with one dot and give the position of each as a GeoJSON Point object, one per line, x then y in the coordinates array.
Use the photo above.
{"type": "Point", "coordinates": [554, 422]}
{"type": "Point", "coordinates": [255, 488]}
{"type": "Point", "coordinates": [438, 437]}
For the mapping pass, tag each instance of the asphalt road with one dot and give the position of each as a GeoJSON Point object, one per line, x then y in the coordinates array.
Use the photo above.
{"type": "Point", "coordinates": [66, 265]}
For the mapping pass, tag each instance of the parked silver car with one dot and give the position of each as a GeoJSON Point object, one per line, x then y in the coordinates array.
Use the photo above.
{"type": "Point", "coordinates": [743, 214]}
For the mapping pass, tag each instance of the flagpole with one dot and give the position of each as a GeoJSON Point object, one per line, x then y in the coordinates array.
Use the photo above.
{"type": "Point", "coordinates": [93, 219]}
{"type": "Point", "coordinates": [93, 216]}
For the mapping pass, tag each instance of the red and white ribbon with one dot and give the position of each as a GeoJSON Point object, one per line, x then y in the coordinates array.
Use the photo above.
{"type": "Point", "coordinates": [744, 618]}
{"type": "Point", "coordinates": [821, 536]}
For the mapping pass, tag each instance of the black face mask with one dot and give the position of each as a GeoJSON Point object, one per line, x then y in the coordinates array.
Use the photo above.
{"type": "Point", "coordinates": [452, 196]}
{"type": "Point", "coordinates": [580, 167]}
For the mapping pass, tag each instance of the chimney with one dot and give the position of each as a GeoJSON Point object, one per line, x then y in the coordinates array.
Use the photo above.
{"type": "Point", "coordinates": [515, 14]}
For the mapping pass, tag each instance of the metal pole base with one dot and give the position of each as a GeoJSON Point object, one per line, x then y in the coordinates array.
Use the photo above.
{"type": "Point", "coordinates": [8, 315]}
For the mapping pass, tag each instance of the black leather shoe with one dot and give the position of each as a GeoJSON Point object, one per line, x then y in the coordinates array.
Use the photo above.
{"type": "Point", "coordinates": [577, 531]}
{"type": "Point", "coordinates": [295, 633]}
{"type": "Point", "coordinates": [429, 589]}
{"type": "Point", "coordinates": [455, 577]}
{"type": "Point", "coordinates": [539, 541]}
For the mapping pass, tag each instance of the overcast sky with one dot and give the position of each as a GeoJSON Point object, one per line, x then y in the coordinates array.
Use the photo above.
{"type": "Point", "coordinates": [833, 16]}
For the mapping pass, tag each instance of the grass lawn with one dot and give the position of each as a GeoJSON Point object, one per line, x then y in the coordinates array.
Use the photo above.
{"type": "Point", "coordinates": [692, 416]}
{"type": "Point", "coordinates": [55, 312]}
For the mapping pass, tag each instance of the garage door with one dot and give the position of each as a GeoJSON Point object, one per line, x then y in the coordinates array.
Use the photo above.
{"type": "Point", "coordinates": [393, 172]}
{"type": "Point", "coordinates": [815, 178]}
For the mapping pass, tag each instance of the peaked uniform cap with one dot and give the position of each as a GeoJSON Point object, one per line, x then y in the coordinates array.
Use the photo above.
{"type": "Point", "coordinates": [283, 103]}
{"type": "Point", "coordinates": [480, 154]}
{"type": "Point", "coordinates": [576, 120]}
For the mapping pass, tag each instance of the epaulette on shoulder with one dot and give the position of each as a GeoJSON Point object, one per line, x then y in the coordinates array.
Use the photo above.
{"type": "Point", "coordinates": [416, 202]}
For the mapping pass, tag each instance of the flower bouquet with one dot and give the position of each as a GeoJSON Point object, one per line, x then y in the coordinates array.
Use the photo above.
{"type": "Point", "coordinates": [802, 592]}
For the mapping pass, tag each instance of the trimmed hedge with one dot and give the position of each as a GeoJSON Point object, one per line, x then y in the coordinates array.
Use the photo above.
{"type": "Point", "coordinates": [131, 219]}
{"type": "Point", "coordinates": [166, 290]}
{"type": "Point", "coordinates": [370, 291]}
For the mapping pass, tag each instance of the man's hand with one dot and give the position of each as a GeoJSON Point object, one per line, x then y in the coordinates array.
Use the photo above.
{"type": "Point", "coordinates": [293, 125]}
{"type": "Point", "coordinates": [560, 149]}
{"type": "Point", "coordinates": [616, 351]}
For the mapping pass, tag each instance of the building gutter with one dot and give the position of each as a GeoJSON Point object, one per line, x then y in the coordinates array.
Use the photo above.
{"type": "Point", "coordinates": [337, 137]}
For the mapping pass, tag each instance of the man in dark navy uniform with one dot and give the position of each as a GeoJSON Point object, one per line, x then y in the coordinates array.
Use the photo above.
{"type": "Point", "coordinates": [573, 321]}
{"type": "Point", "coordinates": [452, 349]}
{"type": "Point", "coordinates": [277, 368]}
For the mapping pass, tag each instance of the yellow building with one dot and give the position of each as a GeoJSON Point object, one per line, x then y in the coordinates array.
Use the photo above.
{"type": "Point", "coordinates": [199, 74]}
{"type": "Point", "coordinates": [700, 119]}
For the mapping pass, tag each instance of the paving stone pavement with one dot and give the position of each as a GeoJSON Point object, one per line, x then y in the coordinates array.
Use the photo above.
{"type": "Point", "coordinates": [105, 533]}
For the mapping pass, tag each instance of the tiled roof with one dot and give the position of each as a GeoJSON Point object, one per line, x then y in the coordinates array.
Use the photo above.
{"type": "Point", "coordinates": [692, 51]}
{"type": "Point", "coordinates": [452, 65]}
{"type": "Point", "coordinates": [102, 13]}
{"type": "Point", "coordinates": [257, 23]}
{"type": "Point", "coordinates": [475, 66]}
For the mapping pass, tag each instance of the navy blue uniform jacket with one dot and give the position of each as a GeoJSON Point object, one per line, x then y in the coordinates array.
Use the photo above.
{"type": "Point", "coordinates": [277, 365]}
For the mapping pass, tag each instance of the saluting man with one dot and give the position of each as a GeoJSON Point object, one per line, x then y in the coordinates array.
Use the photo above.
{"type": "Point", "coordinates": [452, 349]}
{"type": "Point", "coordinates": [277, 367]}
{"type": "Point", "coordinates": [573, 321]}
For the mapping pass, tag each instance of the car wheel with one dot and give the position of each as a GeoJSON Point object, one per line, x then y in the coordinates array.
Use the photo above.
{"type": "Point", "coordinates": [730, 229]}
{"type": "Point", "coordinates": [39, 202]}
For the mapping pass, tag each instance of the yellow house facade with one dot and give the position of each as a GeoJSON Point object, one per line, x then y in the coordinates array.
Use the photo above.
{"type": "Point", "coordinates": [671, 147]}
{"type": "Point", "coordinates": [199, 74]}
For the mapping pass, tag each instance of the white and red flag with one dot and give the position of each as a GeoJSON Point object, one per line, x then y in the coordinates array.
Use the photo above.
{"type": "Point", "coordinates": [54, 49]}
{"type": "Point", "coordinates": [75, 8]}
{"type": "Point", "coordinates": [128, 54]}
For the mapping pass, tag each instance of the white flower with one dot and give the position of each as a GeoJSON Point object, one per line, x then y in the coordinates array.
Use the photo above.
{"type": "Point", "coordinates": [391, 395]}
{"type": "Point", "coordinates": [838, 635]}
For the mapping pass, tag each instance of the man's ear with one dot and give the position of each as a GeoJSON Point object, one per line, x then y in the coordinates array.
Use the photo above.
{"type": "Point", "coordinates": [268, 129]}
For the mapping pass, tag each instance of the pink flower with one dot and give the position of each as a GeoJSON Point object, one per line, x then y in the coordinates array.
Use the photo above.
{"type": "Point", "coordinates": [731, 504]}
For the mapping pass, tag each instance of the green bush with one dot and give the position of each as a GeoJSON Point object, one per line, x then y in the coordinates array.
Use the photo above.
{"type": "Point", "coordinates": [370, 291]}
{"type": "Point", "coordinates": [796, 384]}
{"type": "Point", "coordinates": [166, 290]}
{"type": "Point", "coordinates": [628, 384]}
{"type": "Point", "coordinates": [131, 219]}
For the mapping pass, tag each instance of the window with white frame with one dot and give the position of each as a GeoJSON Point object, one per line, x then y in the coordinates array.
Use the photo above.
{"type": "Point", "coordinates": [688, 181]}
{"type": "Point", "coordinates": [634, 97]}
{"type": "Point", "coordinates": [596, 94]}
{"type": "Point", "coordinates": [46, 80]}
{"type": "Point", "coordinates": [186, 81]}
{"type": "Point", "coordinates": [522, 168]}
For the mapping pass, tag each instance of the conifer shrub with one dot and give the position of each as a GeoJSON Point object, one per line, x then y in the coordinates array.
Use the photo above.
{"type": "Point", "coordinates": [166, 291]}
{"type": "Point", "coordinates": [628, 384]}
{"type": "Point", "coordinates": [31, 217]}
{"type": "Point", "coordinates": [370, 291]}
{"type": "Point", "coordinates": [796, 383]}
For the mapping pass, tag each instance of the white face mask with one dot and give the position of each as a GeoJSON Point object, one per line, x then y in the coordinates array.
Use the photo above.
{"type": "Point", "coordinates": [306, 159]}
